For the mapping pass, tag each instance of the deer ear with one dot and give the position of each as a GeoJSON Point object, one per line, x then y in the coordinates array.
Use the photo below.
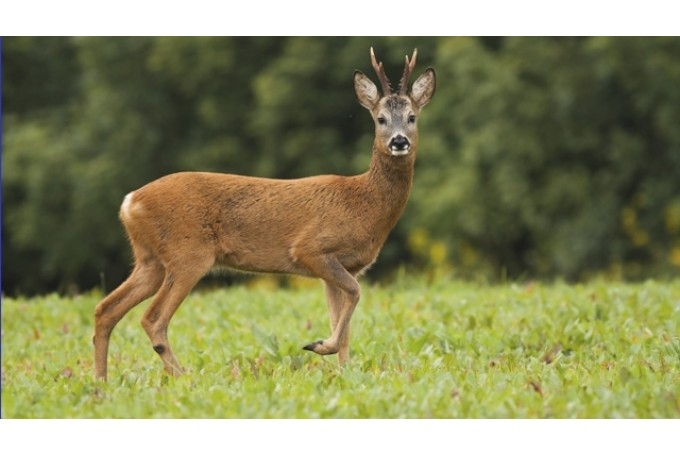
{"type": "Point", "coordinates": [366, 91]}
{"type": "Point", "coordinates": [423, 88]}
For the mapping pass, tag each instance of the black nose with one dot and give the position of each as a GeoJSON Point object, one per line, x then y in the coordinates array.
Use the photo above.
{"type": "Point", "coordinates": [399, 142]}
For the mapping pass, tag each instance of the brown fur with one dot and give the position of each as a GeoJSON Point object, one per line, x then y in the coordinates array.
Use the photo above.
{"type": "Point", "coordinates": [332, 227]}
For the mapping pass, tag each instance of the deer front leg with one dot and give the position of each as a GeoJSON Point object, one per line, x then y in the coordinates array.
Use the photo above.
{"type": "Point", "coordinates": [342, 291]}
{"type": "Point", "coordinates": [334, 299]}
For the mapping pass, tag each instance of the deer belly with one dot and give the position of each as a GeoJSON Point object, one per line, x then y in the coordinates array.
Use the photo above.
{"type": "Point", "coordinates": [263, 260]}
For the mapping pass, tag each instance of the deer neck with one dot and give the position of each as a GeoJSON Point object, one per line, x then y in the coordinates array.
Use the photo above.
{"type": "Point", "coordinates": [389, 179]}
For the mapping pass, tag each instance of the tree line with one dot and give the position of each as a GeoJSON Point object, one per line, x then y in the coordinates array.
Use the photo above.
{"type": "Point", "coordinates": [539, 157]}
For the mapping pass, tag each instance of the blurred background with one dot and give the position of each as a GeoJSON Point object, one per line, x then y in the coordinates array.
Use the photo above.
{"type": "Point", "coordinates": [539, 158]}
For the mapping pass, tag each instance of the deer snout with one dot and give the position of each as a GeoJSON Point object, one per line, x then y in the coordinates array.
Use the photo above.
{"type": "Point", "coordinates": [399, 145]}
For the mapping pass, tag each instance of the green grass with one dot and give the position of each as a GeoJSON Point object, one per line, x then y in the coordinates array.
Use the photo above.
{"type": "Point", "coordinates": [439, 350]}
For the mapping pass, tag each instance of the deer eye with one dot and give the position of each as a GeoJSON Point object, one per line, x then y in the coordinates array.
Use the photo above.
{"type": "Point", "coordinates": [412, 118]}
{"type": "Point", "coordinates": [382, 120]}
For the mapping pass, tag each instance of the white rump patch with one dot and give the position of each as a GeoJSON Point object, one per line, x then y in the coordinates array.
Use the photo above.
{"type": "Point", "coordinates": [127, 205]}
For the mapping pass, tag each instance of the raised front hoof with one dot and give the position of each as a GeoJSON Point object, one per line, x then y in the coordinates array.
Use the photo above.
{"type": "Point", "coordinates": [320, 347]}
{"type": "Point", "coordinates": [312, 346]}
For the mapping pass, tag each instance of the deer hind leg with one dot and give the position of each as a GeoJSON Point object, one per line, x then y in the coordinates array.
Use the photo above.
{"type": "Point", "coordinates": [342, 291]}
{"type": "Point", "coordinates": [142, 283]}
{"type": "Point", "coordinates": [180, 279]}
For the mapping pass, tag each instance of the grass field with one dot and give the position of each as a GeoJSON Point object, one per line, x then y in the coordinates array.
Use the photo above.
{"type": "Point", "coordinates": [441, 350]}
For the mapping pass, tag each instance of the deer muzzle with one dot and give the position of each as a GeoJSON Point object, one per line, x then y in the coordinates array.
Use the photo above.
{"type": "Point", "coordinates": [399, 145]}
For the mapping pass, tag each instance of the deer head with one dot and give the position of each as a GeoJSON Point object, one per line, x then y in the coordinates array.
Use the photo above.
{"type": "Point", "coordinates": [395, 113]}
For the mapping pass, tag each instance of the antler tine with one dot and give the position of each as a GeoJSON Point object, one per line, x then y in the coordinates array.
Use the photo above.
{"type": "Point", "coordinates": [380, 71]}
{"type": "Point", "coordinates": [408, 68]}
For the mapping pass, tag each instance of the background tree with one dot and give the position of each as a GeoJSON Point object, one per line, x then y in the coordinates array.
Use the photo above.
{"type": "Point", "coordinates": [560, 155]}
{"type": "Point", "coordinates": [540, 157]}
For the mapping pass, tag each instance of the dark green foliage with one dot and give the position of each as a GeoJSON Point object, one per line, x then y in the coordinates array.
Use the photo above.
{"type": "Point", "coordinates": [556, 156]}
{"type": "Point", "coordinates": [538, 157]}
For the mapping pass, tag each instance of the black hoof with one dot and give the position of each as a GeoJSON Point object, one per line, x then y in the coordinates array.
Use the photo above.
{"type": "Point", "coordinates": [311, 346]}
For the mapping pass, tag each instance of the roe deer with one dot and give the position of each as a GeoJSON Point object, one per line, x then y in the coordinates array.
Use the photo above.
{"type": "Point", "coordinates": [330, 227]}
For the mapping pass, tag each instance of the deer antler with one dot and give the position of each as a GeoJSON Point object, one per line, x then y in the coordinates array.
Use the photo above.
{"type": "Point", "coordinates": [408, 68]}
{"type": "Point", "coordinates": [380, 71]}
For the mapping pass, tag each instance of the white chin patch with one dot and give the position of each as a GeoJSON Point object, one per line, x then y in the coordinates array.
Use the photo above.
{"type": "Point", "coordinates": [396, 152]}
